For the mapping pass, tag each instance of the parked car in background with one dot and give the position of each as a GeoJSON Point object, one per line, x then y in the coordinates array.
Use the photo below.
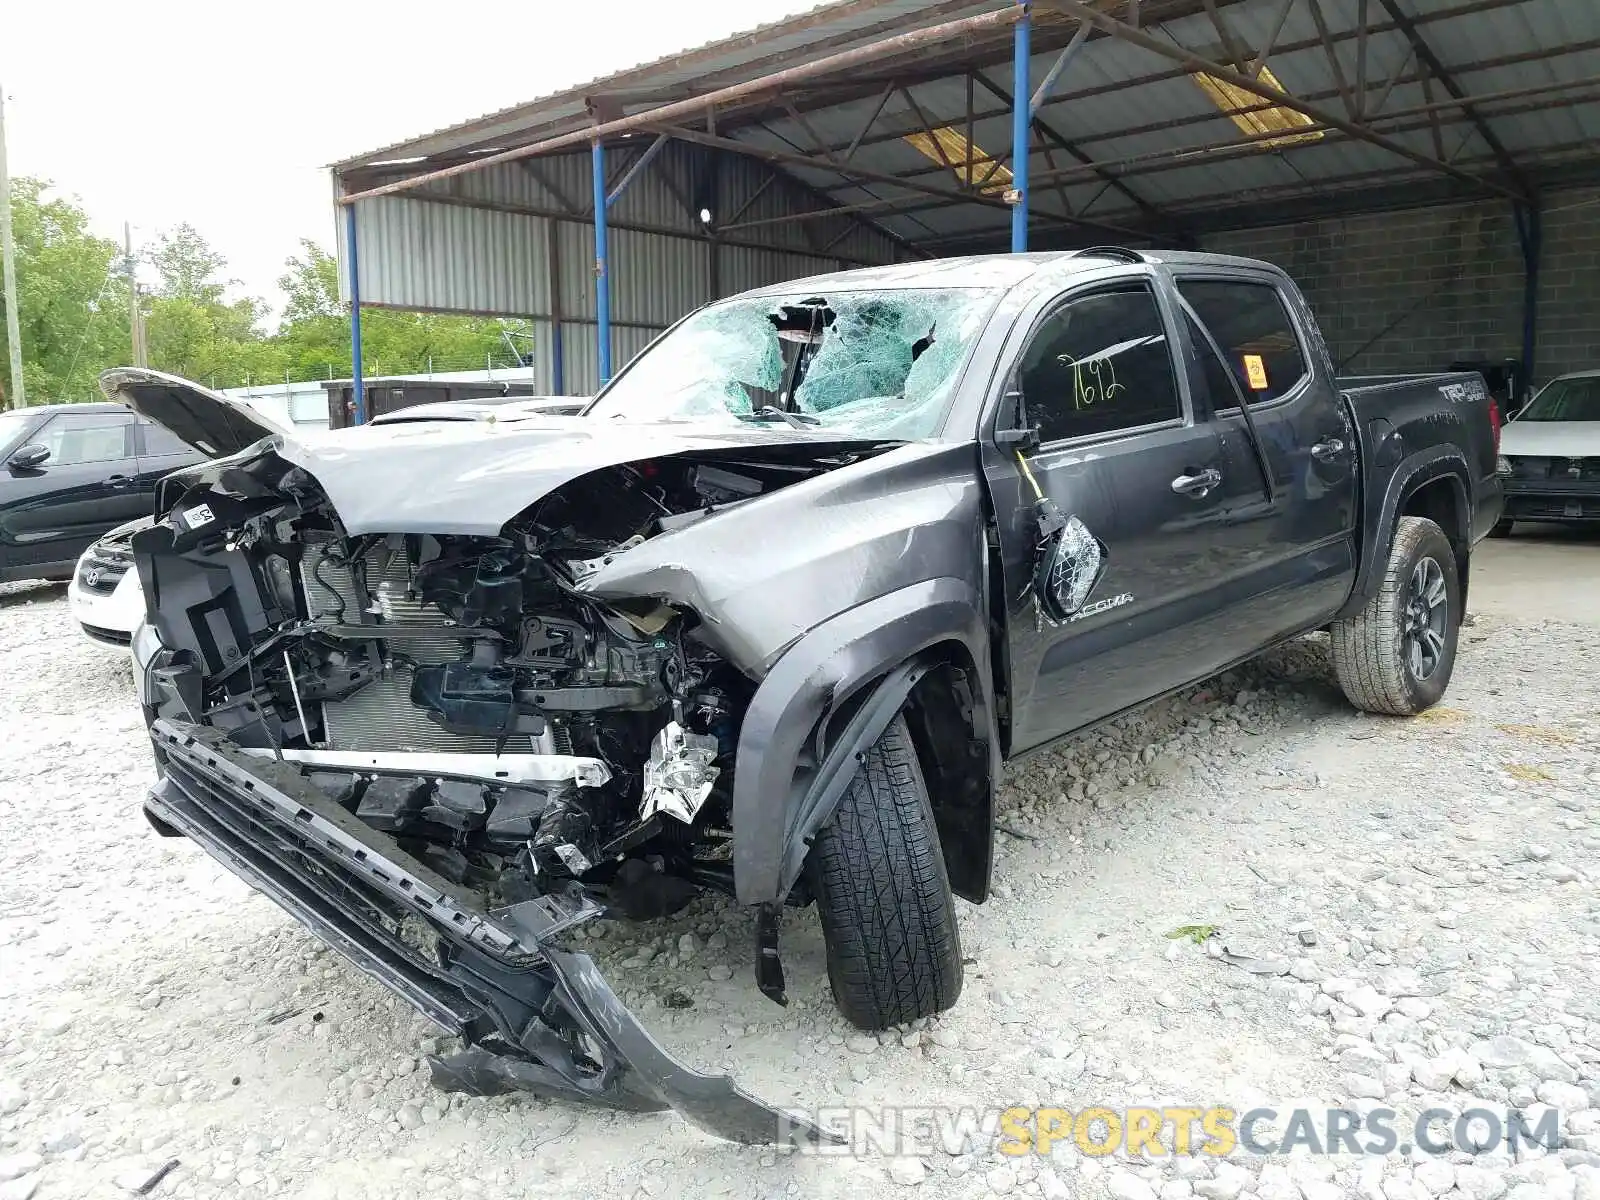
{"type": "Point", "coordinates": [1550, 455]}
{"type": "Point", "coordinates": [104, 597]}
{"type": "Point", "coordinates": [71, 472]}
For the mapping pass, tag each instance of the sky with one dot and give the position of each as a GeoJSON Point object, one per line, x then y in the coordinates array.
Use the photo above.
{"type": "Point", "coordinates": [226, 115]}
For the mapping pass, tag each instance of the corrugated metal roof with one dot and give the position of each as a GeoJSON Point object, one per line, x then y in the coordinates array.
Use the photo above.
{"type": "Point", "coordinates": [1128, 140]}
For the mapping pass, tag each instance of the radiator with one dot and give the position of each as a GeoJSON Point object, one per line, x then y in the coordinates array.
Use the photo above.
{"type": "Point", "coordinates": [381, 716]}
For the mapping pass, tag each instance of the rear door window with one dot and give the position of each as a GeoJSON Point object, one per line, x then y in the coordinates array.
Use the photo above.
{"type": "Point", "coordinates": [160, 442]}
{"type": "Point", "coordinates": [1251, 324]}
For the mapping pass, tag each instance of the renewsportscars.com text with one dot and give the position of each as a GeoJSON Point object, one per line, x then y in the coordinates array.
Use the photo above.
{"type": "Point", "coordinates": [1217, 1131]}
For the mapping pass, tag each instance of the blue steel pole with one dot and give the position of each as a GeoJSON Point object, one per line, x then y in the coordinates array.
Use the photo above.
{"type": "Point", "coordinates": [1020, 122]}
{"type": "Point", "coordinates": [353, 254]}
{"type": "Point", "coordinates": [602, 265]}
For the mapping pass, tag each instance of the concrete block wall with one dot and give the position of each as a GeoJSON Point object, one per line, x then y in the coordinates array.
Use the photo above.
{"type": "Point", "coordinates": [1412, 291]}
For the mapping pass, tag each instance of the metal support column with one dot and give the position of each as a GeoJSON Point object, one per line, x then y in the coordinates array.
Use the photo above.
{"type": "Point", "coordinates": [602, 265]}
{"type": "Point", "coordinates": [1530, 232]}
{"type": "Point", "coordinates": [353, 256]}
{"type": "Point", "coordinates": [1020, 126]}
{"type": "Point", "coordinates": [558, 351]}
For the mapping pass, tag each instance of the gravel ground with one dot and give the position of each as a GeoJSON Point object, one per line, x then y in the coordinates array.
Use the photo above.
{"type": "Point", "coordinates": [156, 1009]}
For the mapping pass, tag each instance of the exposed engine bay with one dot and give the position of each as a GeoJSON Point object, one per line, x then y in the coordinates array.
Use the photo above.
{"type": "Point", "coordinates": [456, 692]}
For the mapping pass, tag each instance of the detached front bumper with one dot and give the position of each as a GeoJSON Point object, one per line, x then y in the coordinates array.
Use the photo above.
{"type": "Point", "coordinates": [536, 1018]}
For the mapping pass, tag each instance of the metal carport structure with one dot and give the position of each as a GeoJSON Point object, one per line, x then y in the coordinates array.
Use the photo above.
{"type": "Point", "coordinates": [868, 131]}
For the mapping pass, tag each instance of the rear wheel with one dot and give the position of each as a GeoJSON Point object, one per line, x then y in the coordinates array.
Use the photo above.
{"type": "Point", "coordinates": [1395, 656]}
{"type": "Point", "coordinates": [888, 918]}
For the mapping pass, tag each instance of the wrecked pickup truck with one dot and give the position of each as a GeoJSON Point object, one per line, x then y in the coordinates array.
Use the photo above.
{"type": "Point", "coordinates": [766, 619]}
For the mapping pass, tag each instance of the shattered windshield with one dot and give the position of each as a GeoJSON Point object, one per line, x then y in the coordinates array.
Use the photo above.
{"type": "Point", "coordinates": [1566, 400]}
{"type": "Point", "coordinates": [880, 364]}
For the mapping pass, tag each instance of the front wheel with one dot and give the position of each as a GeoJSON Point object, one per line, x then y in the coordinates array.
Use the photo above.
{"type": "Point", "coordinates": [888, 918]}
{"type": "Point", "coordinates": [1395, 656]}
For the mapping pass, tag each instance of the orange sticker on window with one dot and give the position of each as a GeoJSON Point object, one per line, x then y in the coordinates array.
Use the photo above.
{"type": "Point", "coordinates": [1256, 371]}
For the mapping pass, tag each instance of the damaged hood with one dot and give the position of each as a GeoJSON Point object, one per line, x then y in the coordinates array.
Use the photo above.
{"type": "Point", "coordinates": [458, 477]}
{"type": "Point", "coordinates": [470, 478]}
{"type": "Point", "coordinates": [212, 423]}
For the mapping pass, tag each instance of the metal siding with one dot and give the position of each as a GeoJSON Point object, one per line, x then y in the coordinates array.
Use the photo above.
{"type": "Point", "coordinates": [420, 254]}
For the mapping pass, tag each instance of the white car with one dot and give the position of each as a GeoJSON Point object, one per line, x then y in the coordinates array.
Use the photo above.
{"type": "Point", "coordinates": [104, 595]}
{"type": "Point", "coordinates": [1550, 455]}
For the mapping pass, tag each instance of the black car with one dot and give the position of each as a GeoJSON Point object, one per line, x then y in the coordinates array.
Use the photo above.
{"type": "Point", "coordinates": [72, 472]}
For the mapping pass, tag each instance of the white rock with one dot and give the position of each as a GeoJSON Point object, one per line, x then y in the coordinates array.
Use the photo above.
{"type": "Point", "coordinates": [20, 1189]}
{"type": "Point", "coordinates": [1226, 1184]}
{"type": "Point", "coordinates": [907, 1171]}
{"type": "Point", "coordinates": [1480, 1183]}
{"type": "Point", "coordinates": [1367, 1001]}
{"type": "Point", "coordinates": [1001, 1179]}
{"type": "Point", "coordinates": [719, 972]}
{"type": "Point", "coordinates": [1435, 1074]}
{"type": "Point", "coordinates": [1363, 1087]}
{"type": "Point", "coordinates": [1568, 1097]}
{"type": "Point", "coordinates": [1124, 1185]}
{"type": "Point", "coordinates": [1436, 1175]}
{"type": "Point", "coordinates": [409, 1116]}
{"type": "Point", "coordinates": [944, 1035]}
{"type": "Point", "coordinates": [688, 945]}
{"type": "Point", "coordinates": [860, 1043]}
{"type": "Point", "coordinates": [12, 1098]}
{"type": "Point", "coordinates": [14, 1166]}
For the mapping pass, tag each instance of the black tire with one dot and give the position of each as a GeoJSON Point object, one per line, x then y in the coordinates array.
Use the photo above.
{"type": "Point", "coordinates": [1380, 655]}
{"type": "Point", "coordinates": [1501, 529]}
{"type": "Point", "coordinates": [877, 872]}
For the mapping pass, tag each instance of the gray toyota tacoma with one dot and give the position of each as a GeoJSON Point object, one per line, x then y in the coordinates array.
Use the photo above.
{"type": "Point", "coordinates": [767, 618]}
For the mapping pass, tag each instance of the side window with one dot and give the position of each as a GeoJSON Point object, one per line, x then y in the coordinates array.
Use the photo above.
{"type": "Point", "coordinates": [1099, 364]}
{"type": "Point", "coordinates": [1253, 328]}
{"type": "Point", "coordinates": [76, 438]}
{"type": "Point", "coordinates": [1219, 381]}
{"type": "Point", "coordinates": [160, 442]}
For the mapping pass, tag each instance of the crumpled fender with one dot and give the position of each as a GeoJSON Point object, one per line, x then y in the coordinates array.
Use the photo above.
{"type": "Point", "coordinates": [774, 796]}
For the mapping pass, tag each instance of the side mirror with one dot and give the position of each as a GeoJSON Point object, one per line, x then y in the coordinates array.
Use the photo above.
{"type": "Point", "coordinates": [1017, 431]}
{"type": "Point", "coordinates": [26, 458]}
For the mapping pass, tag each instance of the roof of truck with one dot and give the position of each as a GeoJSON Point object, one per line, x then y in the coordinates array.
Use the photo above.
{"type": "Point", "coordinates": [994, 270]}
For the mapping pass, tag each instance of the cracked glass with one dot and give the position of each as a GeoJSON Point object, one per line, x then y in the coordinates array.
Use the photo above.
{"type": "Point", "coordinates": [860, 363]}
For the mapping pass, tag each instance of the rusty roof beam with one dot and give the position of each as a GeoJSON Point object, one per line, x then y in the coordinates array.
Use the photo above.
{"type": "Point", "coordinates": [1070, 147]}
{"type": "Point", "coordinates": [1153, 162]}
{"type": "Point", "coordinates": [1466, 9]}
{"type": "Point", "coordinates": [1196, 62]}
{"type": "Point", "coordinates": [693, 109]}
{"type": "Point", "coordinates": [786, 158]}
{"type": "Point", "coordinates": [1447, 80]}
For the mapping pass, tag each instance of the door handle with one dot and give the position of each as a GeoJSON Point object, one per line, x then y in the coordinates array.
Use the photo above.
{"type": "Point", "coordinates": [1328, 449]}
{"type": "Point", "coordinates": [1197, 485]}
{"type": "Point", "coordinates": [120, 481]}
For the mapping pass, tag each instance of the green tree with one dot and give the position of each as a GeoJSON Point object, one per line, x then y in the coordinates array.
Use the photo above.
{"type": "Point", "coordinates": [314, 335]}
{"type": "Point", "coordinates": [192, 330]}
{"type": "Point", "coordinates": [72, 297]}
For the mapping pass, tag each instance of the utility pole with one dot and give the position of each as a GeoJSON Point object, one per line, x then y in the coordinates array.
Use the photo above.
{"type": "Point", "coordinates": [19, 395]}
{"type": "Point", "coordinates": [141, 351]}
